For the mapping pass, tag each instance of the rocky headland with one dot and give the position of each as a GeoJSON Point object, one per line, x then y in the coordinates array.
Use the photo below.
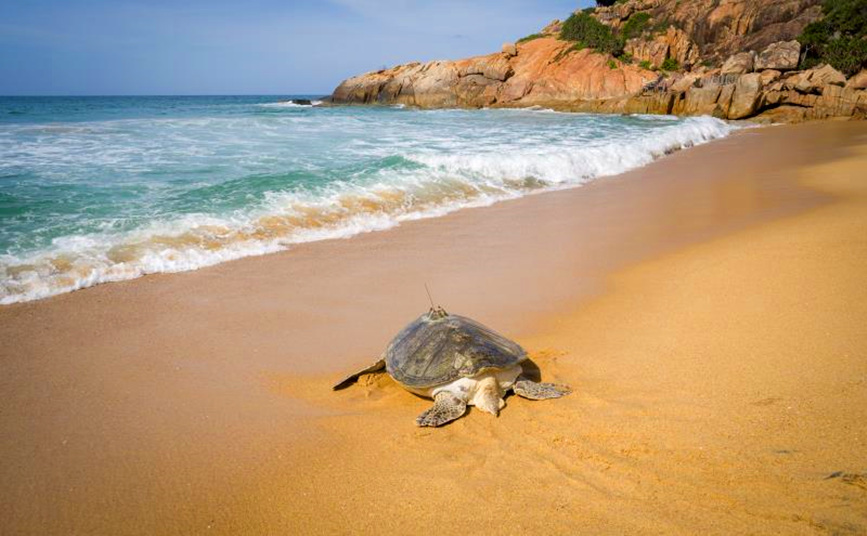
{"type": "Point", "coordinates": [733, 59]}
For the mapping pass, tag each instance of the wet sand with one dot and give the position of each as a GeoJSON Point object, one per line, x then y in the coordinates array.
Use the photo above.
{"type": "Point", "coordinates": [708, 309]}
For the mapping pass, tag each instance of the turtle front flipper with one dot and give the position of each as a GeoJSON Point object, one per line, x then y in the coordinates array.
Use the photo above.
{"type": "Point", "coordinates": [349, 380]}
{"type": "Point", "coordinates": [539, 390]}
{"type": "Point", "coordinates": [447, 407]}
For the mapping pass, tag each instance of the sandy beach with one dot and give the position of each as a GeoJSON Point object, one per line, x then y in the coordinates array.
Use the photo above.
{"type": "Point", "coordinates": [709, 310]}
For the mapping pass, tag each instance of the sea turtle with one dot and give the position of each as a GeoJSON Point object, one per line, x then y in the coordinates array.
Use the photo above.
{"type": "Point", "coordinates": [457, 362]}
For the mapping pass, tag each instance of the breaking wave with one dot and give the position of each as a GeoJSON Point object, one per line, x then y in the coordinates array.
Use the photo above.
{"type": "Point", "coordinates": [376, 188]}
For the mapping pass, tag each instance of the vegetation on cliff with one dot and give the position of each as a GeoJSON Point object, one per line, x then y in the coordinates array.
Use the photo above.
{"type": "Point", "coordinates": [529, 38]}
{"type": "Point", "coordinates": [670, 64]}
{"type": "Point", "coordinates": [635, 25]}
{"type": "Point", "coordinates": [839, 39]}
{"type": "Point", "coordinates": [587, 32]}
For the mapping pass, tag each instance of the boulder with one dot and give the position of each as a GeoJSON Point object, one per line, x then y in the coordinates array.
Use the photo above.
{"type": "Point", "coordinates": [802, 83]}
{"type": "Point", "coordinates": [698, 101]}
{"type": "Point", "coordinates": [783, 114]}
{"type": "Point", "coordinates": [746, 96]}
{"type": "Point", "coordinates": [781, 56]}
{"type": "Point", "coordinates": [827, 75]}
{"type": "Point", "coordinates": [769, 75]}
{"type": "Point", "coordinates": [814, 80]}
{"type": "Point", "coordinates": [682, 83]}
{"type": "Point", "coordinates": [724, 101]}
{"type": "Point", "coordinates": [510, 49]}
{"type": "Point", "coordinates": [493, 67]}
{"type": "Point", "coordinates": [740, 63]}
{"type": "Point", "coordinates": [834, 101]}
{"type": "Point", "coordinates": [859, 81]}
{"type": "Point", "coordinates": [655, 103]}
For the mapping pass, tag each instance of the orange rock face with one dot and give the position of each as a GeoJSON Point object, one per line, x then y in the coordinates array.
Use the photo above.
{"type": "Point", "coordinates": [549, 72]}
{"type": "Point", "coordinates": [721, 28]}
{"type": "Point", "coordinates": [674, 44]}
{"type": "Point", "coordinates": [544, 71]}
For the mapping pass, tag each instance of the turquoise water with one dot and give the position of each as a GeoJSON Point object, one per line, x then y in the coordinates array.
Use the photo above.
{"type": "Point", "coordinates": [98, 189]}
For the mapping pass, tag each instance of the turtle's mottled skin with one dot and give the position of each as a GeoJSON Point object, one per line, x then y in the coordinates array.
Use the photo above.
{"type": "Point", "coordinates": [457, 362]}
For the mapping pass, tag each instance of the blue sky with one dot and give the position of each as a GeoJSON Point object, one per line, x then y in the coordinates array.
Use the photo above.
{"type": "Point", "coordinates": [118, 47]}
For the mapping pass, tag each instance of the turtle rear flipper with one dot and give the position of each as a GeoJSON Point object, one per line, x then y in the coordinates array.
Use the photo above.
{"type": "Point", "coordinates": [539, 390]}
{"type": "Point", "coordinates": [447, 407]}
{"type": "Point", "coordinates": [352, 378]}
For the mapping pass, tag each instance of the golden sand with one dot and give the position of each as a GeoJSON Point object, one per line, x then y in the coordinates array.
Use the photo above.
{"type": "Point", "coordinates": [709, 311]}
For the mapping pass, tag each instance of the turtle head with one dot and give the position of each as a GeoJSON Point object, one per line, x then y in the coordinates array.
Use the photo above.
{"type": "Point", "coordinates": [436, 313]}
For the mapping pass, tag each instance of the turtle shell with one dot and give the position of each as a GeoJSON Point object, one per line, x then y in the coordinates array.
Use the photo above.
{"type": "Point", "coordinates": [438, 348]}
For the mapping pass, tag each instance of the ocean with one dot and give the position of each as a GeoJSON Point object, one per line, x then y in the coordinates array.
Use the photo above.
{"type": "Point", "coordinates": [101, 189]}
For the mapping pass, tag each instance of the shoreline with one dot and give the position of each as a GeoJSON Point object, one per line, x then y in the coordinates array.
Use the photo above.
{"type": "Point", "coordinates": [425, 220]}
{"type": "Point", "coordinates": [187, 242]}
{"type": "Point", "coordinates": [215, 377]}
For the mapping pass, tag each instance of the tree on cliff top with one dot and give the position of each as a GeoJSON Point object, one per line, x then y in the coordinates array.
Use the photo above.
{"type": "Point", "coordinates": [839, 39]}
{"type": "Point", "coordinates": [587, 32]}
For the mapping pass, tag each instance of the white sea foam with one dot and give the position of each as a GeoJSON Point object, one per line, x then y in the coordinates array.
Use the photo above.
{"type": "Point", "coordinates": [655, 117]}
{"type": "Point", "coordinates": [426, 176]}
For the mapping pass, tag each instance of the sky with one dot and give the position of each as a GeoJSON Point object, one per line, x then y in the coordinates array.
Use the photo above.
{"type": "Point", "coordinates": [201, 47]}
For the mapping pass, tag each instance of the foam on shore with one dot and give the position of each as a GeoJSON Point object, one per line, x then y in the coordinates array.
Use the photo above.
{"type": "Point", "coordinates": [404, 183]}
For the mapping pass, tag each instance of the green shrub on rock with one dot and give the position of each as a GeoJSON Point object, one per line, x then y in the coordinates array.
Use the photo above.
{"type": "Point", "coordinates": [588, 32]}
{"type": "Point", "coordinates": [670, 64]}
{"type": "Point", "coordinates": [635, 25]}
{"type": "Point", "coordinates": [530, 37]}
{"type": "Point", "coordinates": [839, 39]}
{"type": "Point", "coordinates": [847, 54]}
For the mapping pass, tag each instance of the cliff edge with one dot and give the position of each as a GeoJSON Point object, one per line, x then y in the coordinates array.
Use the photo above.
{"type": "Point", "coordinates": [734, 59]}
